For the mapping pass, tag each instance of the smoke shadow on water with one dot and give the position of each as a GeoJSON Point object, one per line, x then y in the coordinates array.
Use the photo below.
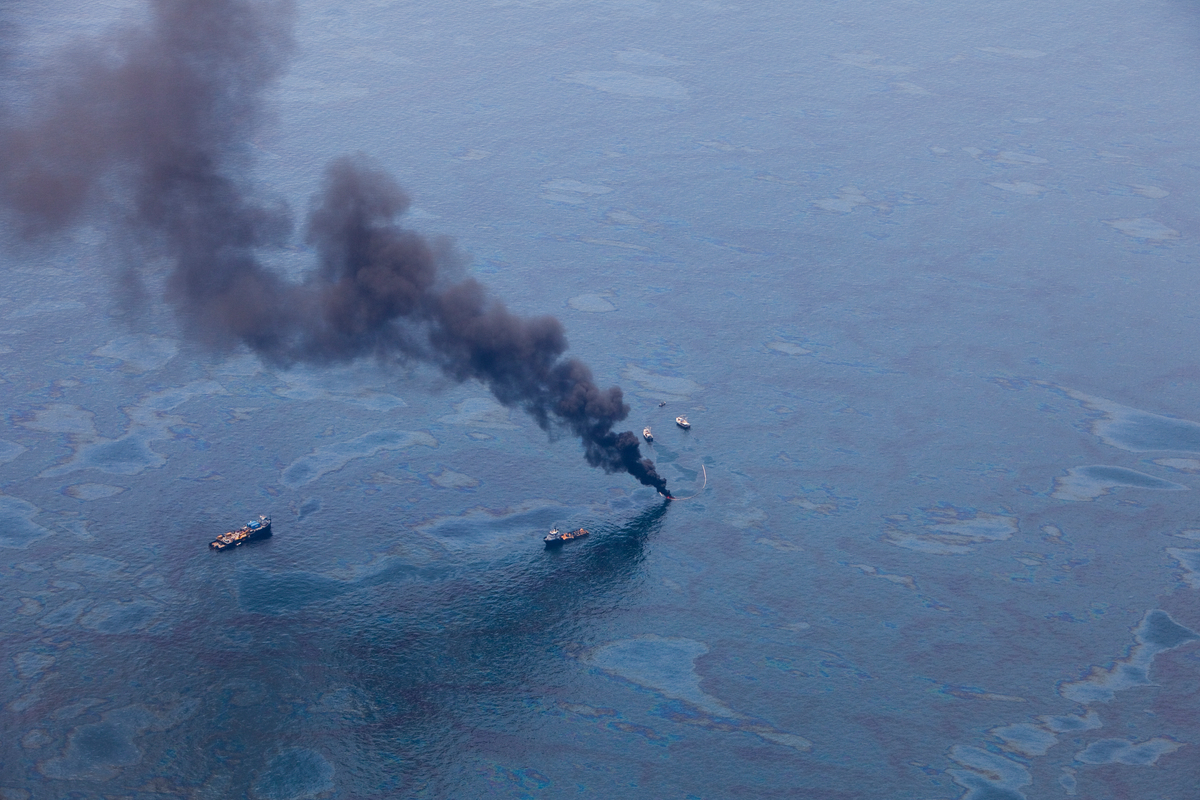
{"type": "Point", "coordinates": [409, 671]}
{"type": "Point", "coordinates": [492, 640]}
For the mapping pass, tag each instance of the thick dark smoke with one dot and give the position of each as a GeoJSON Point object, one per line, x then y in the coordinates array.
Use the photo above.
{"type": "Point", "coordinates": [152, 124]}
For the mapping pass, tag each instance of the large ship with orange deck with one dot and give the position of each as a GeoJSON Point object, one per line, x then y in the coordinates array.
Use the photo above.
{"type": "Point", "coordinates": [258, 529]}
{"type": "Point", "coordinates": [557, 537]}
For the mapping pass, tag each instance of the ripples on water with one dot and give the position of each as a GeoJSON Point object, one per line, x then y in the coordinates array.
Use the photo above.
{"type": "Point", "coordinates": [920, 277]}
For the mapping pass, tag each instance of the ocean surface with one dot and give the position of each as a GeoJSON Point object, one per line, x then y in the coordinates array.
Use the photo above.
{"type": "Point", "coordinates": [921, 275]}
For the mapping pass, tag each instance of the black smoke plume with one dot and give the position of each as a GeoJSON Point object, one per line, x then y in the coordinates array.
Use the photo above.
{"type": "Point", "coordinates": [152, 123]}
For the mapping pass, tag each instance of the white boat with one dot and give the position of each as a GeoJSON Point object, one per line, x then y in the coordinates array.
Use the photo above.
{"type": "Point", "coordinates": [649, 437]}
{"type": "Point", "coordinates": [556, 537]}
{"type": "Point", "coordinates": [682, 422]}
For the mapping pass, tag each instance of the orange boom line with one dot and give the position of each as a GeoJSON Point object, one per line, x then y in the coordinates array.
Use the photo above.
{"type": "Point", "coordinates": [690, 496]}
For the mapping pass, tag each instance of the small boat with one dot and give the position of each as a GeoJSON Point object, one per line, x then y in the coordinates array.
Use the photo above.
{"type": "Point", "coordinates": [663, 403]}
{"type": "Point", "coordinates": [258, 529]}
{"type": "Point", "coordinates": [647, 435]}
{"type": "Point", "coordinates": [555, 538]}
{"type": "Point", "coordinates": [682, 422]}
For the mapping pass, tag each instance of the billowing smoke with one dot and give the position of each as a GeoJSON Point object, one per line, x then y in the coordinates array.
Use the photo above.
{"type": "Point", "coordinates": [151, 124]}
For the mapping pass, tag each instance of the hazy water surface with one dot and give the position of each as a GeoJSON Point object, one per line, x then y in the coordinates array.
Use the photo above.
{"type": "Point", "coordinates": [920, 275]}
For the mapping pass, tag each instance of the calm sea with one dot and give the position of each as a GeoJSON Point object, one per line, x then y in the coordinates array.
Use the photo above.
{"type": "Point", "coordinates": [921, 275]}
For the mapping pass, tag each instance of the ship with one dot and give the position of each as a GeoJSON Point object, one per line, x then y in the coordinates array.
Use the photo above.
{"type": "Point", "coordinates": [251, 531]}
{"type": "Point", "coordinates": [682, 422]}
{"type": "Point", "coordinates": [647, 434]}
{"type": "Point", "coordinates": [555, 537]}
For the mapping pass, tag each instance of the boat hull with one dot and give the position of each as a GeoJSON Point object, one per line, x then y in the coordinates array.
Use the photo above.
{"type": "Point", "coordinates": [559, 539]}
{"type": "Point", "coordinates": [249, 533]}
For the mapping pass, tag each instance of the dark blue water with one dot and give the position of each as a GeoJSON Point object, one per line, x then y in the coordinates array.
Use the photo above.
{"type": "Point", "coordinates": [920, 275]}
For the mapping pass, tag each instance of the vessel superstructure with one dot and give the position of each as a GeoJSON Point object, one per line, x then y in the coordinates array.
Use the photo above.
{"type": "Point", "coordinates": [251, 531]}
{"type": "Point", "coordinates": [556, 537]}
